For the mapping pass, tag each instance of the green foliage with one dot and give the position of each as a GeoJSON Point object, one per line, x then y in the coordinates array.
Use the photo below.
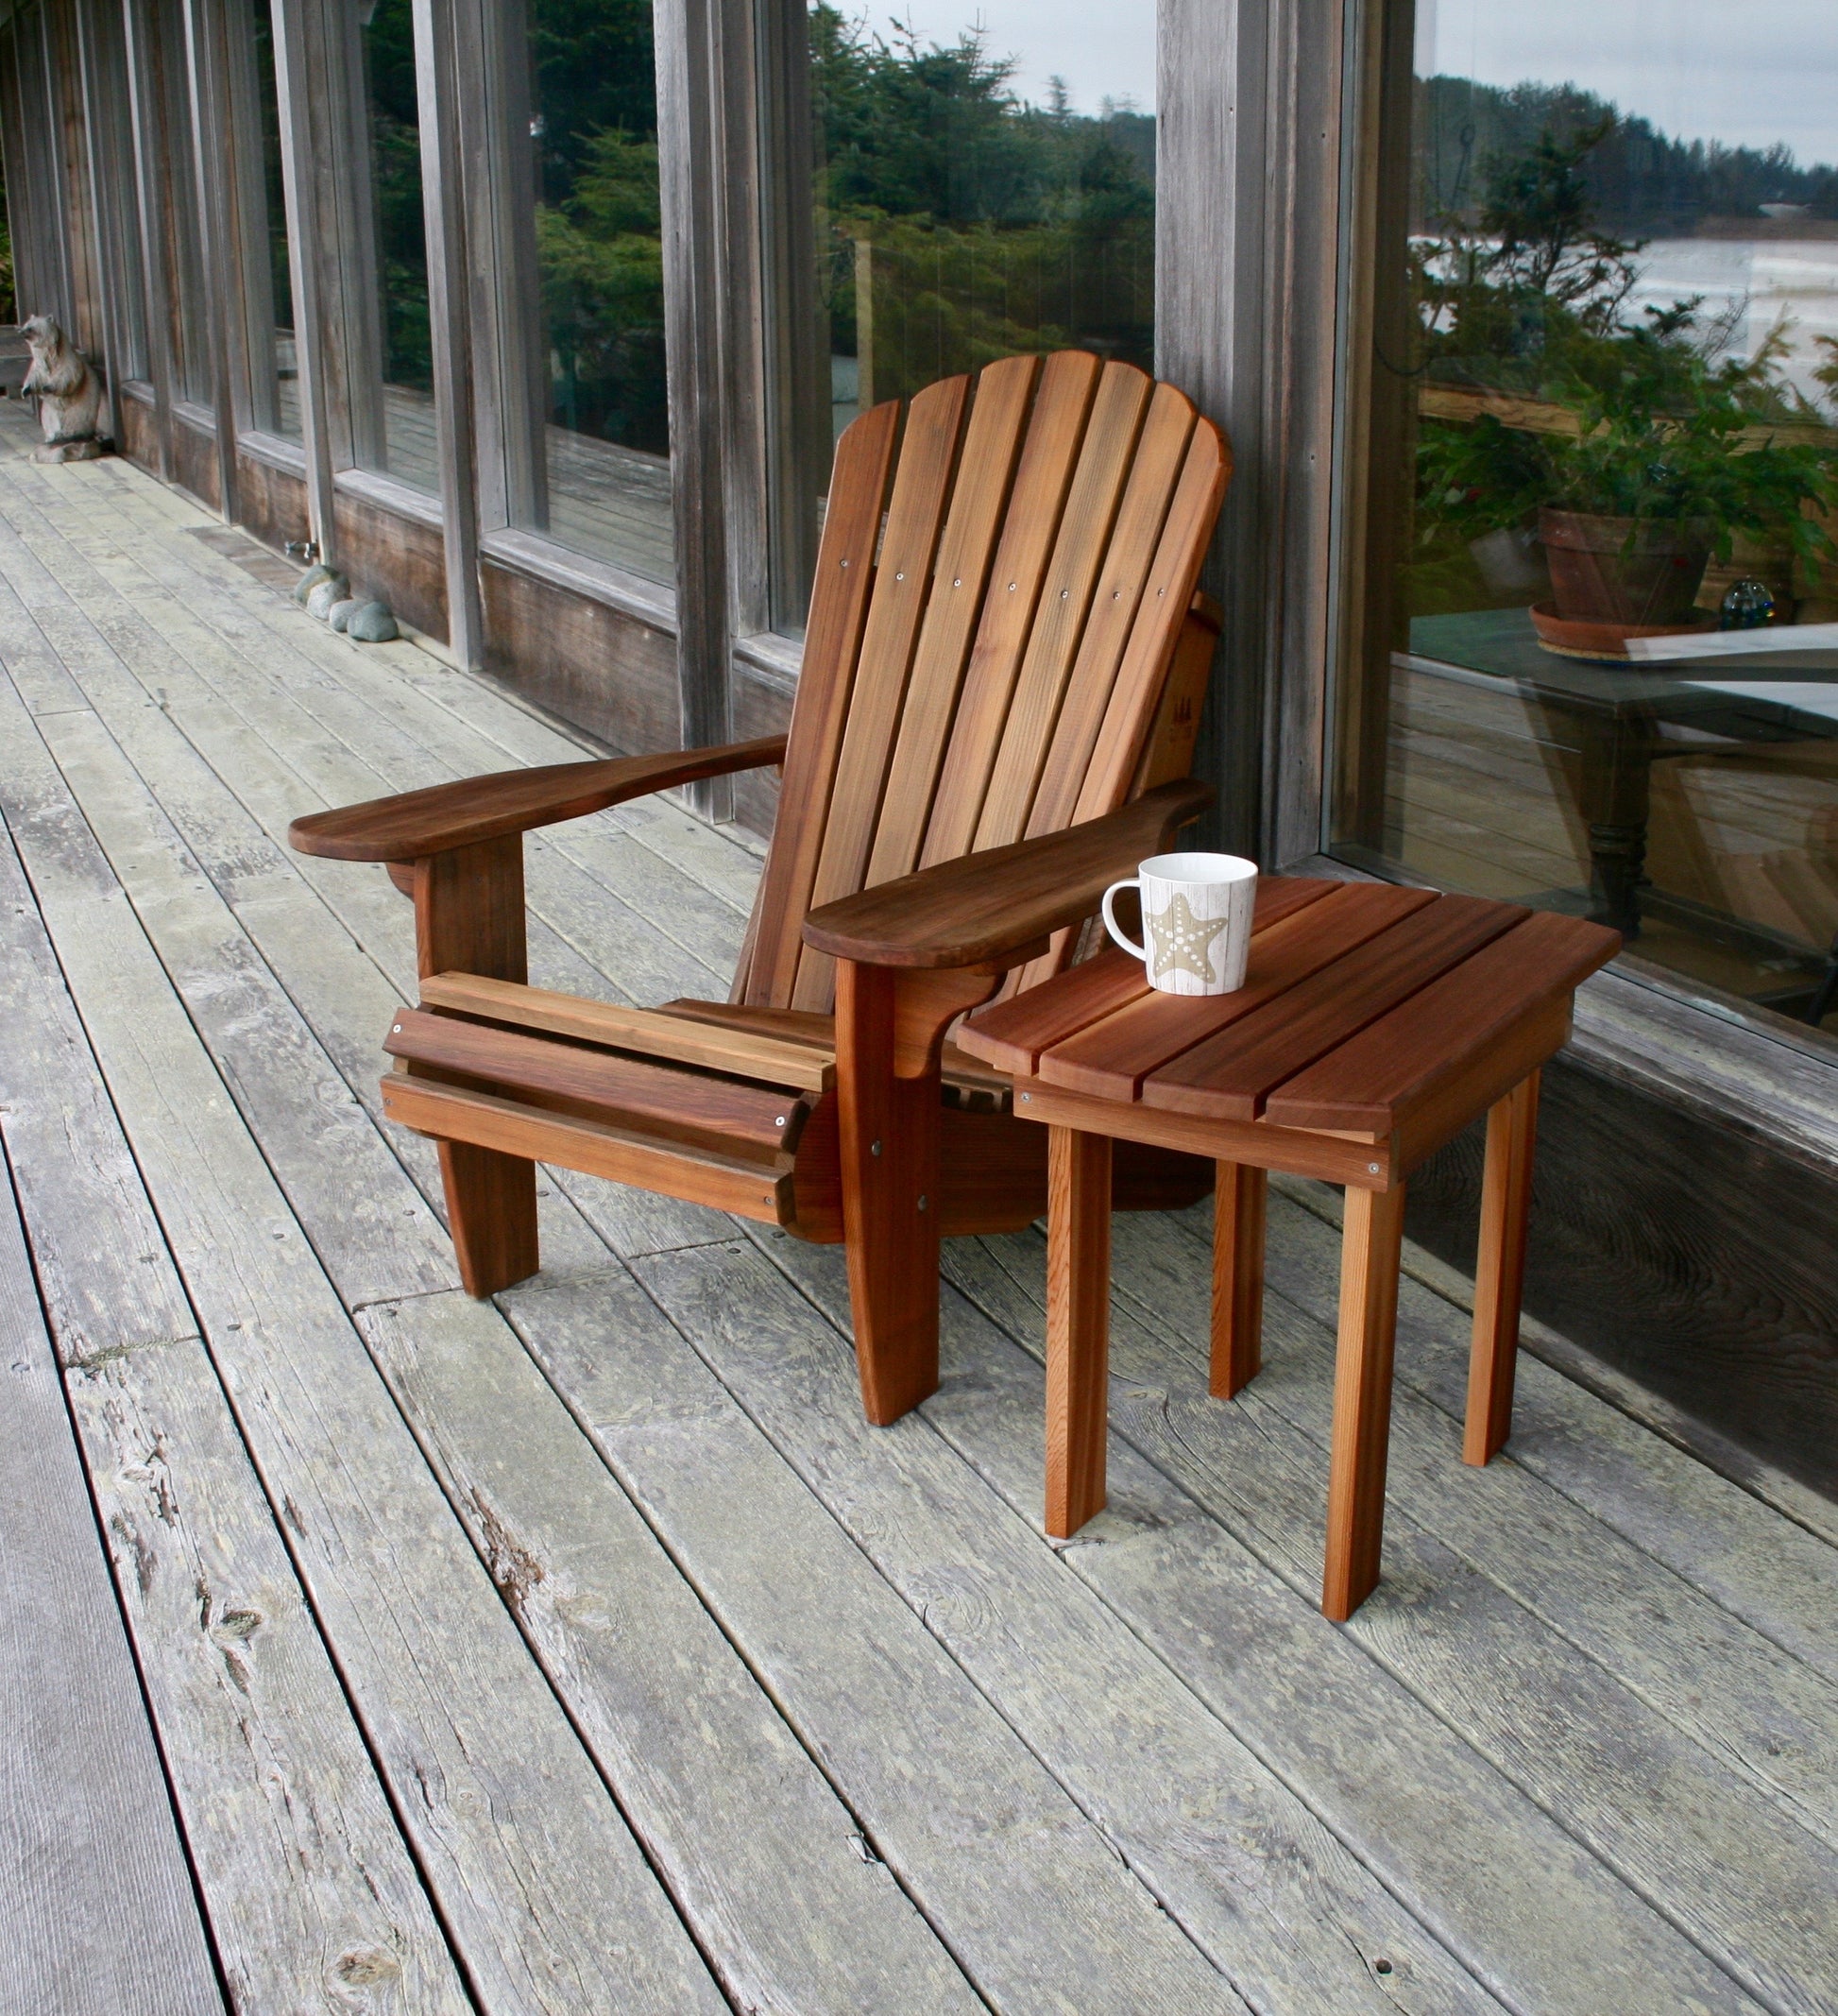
{"type": "Point", "coordinates": [396, 181]}
{"type": "Point", "coordinates": [995, 225]}
{"type": "Point", "coordinates": [601, 258]}
{"type": "Point", "coordinates": [1529, 298]}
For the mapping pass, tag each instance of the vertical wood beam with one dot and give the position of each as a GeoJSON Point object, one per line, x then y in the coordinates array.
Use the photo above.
{"type": "Point", "coordinates": [300, 178]}
{"type": "Point", "coordinates": [1371, 1246]}
{"type": "Point", "coordinates": [105, 218]}
{"type": "Point", "coordinates": [691, 171]}
{"type": "Point", "coordinates": [437, 91]}
{"type": "Point", "coordinates": [1500, 1271]}
{"type": "Point", "coordinates": [221, 311]}
{"type": "Point", "coordinates": [1078, 1325]}
{"type": "Point", "coordinates": [1240, 1208]}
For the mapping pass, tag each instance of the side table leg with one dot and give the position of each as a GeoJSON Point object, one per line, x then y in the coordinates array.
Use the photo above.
{"type": "Point", "coordinates": [1370, 1250]}
{"type": "Point", "coordinates": [1078, 1325]}
{"type": "Point", "coordinates": [1500, 1275]}
{"type": "Point", "coordinates": [1239, 1206]}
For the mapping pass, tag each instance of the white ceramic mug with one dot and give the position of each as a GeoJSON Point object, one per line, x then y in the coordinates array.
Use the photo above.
{"type": "Point", "coordinates": [1196, 913]}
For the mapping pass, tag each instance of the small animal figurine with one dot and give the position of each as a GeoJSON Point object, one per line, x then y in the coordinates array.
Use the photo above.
{"type": "Point", "coordinates": [69, 394]}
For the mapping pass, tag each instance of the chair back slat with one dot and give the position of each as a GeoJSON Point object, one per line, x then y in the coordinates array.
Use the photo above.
{"type": "Point", "coordinates": [838, 608]}
{"type": "Point", "coordinates": [1121, 582]}
{"type": "Point", "coordinates": [1091, 508]}
{"type": "Point", "coordinates": [903, 581]}
{"type": "Point", "coordinates": [1061, 406]}
{"type": "Point", "coordinates": [991, 443]}
{"type": "Point", "coordinates": [1000, 667]}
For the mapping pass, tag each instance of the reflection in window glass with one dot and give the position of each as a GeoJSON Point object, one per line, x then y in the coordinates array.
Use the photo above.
{"type": "Point", "coordinates": [401, 438]}
{"type": "Point", "coordinates": [588, 201]}
{"type": "Point", "coordinates": [111, 113]}
{"type": "Point", "coordinates": [1604, 423]}
{"type": "Point", "coordinates": [185, 259]}
{"type": "Point", "coordinates": [984, 184]}
{"type": "Point", "coordinates": [274, 374]}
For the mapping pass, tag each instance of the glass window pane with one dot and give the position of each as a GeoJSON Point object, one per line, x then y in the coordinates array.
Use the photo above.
{"type": "Point", "coordinates": [1602, 381]}
{"type": "Point", "coordinates": [274, 376]}
{"type": "Point", "coordinates": [984, 183]}
{"type": "Point", "coordinates": [401, 438]}
{"type": "Point", "coordinates": [585, 289]}
{"type": "Point", "coordinates": [184, 256]}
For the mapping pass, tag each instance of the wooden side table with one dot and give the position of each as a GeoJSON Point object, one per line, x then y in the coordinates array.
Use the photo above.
{"type": "Point", "coordinates": [1374, 1024]}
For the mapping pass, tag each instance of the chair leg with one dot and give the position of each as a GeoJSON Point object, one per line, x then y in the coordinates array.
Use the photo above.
{"type": "Point", "coordinates": [1240, 1204]}
{"type": "Point", "coordinates": [1500, 1276]}
{"type": "Point", "coordinates": [888, 1130]}
{"type": "Point", "coordinates": [1370, 1249]}
{"type": "Point", "coordinates": [492, 1212]}
{"type": "Point", "coordinates": [1078, 1325]}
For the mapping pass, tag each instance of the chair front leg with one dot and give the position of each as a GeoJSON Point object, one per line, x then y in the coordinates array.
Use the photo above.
{"type": "Point", "coordinates": [890, 1027]}
{"type": "Point", "coordinates": [468, 919]}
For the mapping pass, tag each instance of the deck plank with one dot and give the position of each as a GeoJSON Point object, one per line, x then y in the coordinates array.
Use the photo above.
{"type": "Point", "coordinates": [1522, 1902]}
{"type": "Point", "coordinates": [100, 1911]}
{"type": "Point", "coordinates": [309, 1888]}
{"type": "Point", "coordinates": [1280, 1904]}
{"type": "Point", "coordinates": [538, 1878]}
{"type": "Point", "coordinates": [762, 1857]}
{"type": "Point", "coordinates": [1730, 1858]}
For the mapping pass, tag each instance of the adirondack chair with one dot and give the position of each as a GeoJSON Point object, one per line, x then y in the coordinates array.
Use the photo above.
{"type": "Point", "coordinates": [1003, 671]}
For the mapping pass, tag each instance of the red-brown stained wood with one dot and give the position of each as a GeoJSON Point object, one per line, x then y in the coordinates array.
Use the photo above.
{"type": "Point", "coordinates": [1500, 1270]}
{"type": "Point", "coordinates": [623, 1091]}
{"type": "Point", "coordinates": [1066, 590]}
{"type": "Point", "coordinates": [1399, 1059]}
{"type": "Point", "coordinates": [1241, 1211]}
{"type": "Point", "coordinates": [1056, 430]}
{"type": "Point", "coordinates": [903, 580]}
{"type": "Point", "coordinates": [1116, 598]}
{"type": "Point", "coordinates": [1369, 1251]}
{"type": "Point", "coordinates": [492, 1212]}
{"type": "Point", "coordinates": [1169, 589]}
{"type": "Point", "coordinates": [1078, 1326]}
{"type": "Point", "coordinates": [1229, 1076]}
{"type": "Point", "coordinates": [414, 824]}
{"type": "Point", "coordinates": [1111, 1058]}
{"type": "Point", "coordinates": [966, 551]}
{"type": "Point", "coordinates": [839, 606]}
{"type": "Point", "coordinates": [1002, 905]}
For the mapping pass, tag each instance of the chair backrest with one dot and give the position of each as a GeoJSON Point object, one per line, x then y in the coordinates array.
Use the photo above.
{"type": "Point", "coordinates": [989, 637]}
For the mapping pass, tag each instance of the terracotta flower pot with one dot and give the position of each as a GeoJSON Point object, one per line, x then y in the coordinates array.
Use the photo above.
{"type": "Point", "coordinates": [1636, 570]}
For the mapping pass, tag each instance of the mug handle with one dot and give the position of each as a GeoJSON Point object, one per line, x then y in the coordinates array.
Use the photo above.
{"type": "Point", "coordinates": [1133, 882]}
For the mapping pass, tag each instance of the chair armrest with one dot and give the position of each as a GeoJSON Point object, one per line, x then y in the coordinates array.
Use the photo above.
{"type": "Point", "coordinates": [983, 907]}
{"type": "Point", "coordinates": [416, 824]}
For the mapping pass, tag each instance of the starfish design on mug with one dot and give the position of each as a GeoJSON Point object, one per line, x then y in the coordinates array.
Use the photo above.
{"type": "Point", "coordinates": [1183, 942]}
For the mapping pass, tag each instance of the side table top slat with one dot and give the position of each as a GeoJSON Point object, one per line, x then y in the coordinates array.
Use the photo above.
{"type": "Point", "coordinates": [1110, 1058]}
{"type": "Point", "coordinates": [1371, 1082]}
{"type": "Point", "coordinates": [1228, 1076]}
{"type": "Point", "coordinates": [1013, 1033]}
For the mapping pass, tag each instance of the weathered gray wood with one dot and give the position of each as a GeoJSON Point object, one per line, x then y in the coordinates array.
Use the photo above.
{"type": "Point", "coordinates": [1033, 1899]}
{"type": "Point", "coordinates": [762, 1858]}
{"type": "Point", "coordinates": [1277, 1903]}
{"type": "Point", "coordinates": [1777, 1577]}
{"type": "Point", "coordinates": [1409, 1797]}
{"type": "Point", "coordinates": [538, 1879]}
{"type": "Point", "coordinates": [299, 1860]}
{"type": "Point", "coordinates": [1725, 1853]}
{"type": "Point", "coordinates": [100, 1912]}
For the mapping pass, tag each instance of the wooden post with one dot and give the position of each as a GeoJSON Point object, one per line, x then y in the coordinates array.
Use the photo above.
{"type": "Point", "coordinates": [1078, 1325]}
{"type": "Point", "coordinates": [1240, 1204]}
{"type": "Point", "coordinates": [1499, 1272]}
{"type": "Point", "coordinates": [468, 919]}
{"type": "Point", "coordinates": [1370, 1250]}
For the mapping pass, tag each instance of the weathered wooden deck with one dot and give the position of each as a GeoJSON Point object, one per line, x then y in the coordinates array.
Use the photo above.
{"type": "Point", "coordinates": [587, 1653]}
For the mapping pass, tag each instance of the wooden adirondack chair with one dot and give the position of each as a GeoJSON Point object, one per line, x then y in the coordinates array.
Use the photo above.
{"type": "Point", "coordinates": [1003, 671]}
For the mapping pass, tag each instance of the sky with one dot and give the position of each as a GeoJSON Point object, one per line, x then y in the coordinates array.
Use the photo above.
{"type": "Point", "coordinates": [1100, 47]}
{"type": "Point", "coordinates": [1747, 74]}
